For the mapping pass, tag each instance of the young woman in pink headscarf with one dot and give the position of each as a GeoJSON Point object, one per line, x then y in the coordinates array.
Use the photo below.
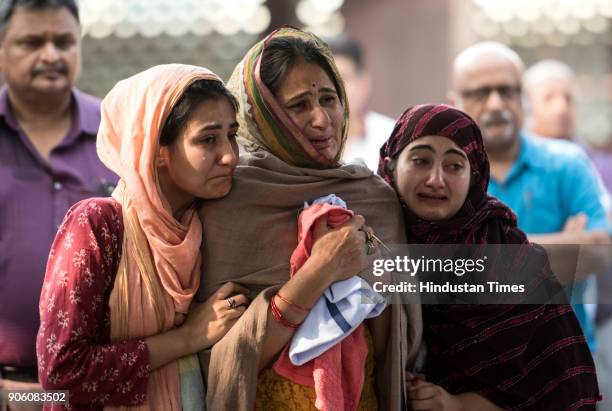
{"type": "Point", "coordinates": [123, 270]}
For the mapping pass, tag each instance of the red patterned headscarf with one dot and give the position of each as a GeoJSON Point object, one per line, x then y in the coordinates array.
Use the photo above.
{"type": "Point", "coordinates": [523, 357]}
{"type": "Point", "coordinates": [482, 218]}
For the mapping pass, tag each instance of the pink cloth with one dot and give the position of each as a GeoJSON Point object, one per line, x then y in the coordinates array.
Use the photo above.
{"type": "Point", "coordinates": [338, 374]}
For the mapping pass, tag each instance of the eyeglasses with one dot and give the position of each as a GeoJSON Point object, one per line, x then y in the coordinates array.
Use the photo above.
{"type": "Point", "coordinates": [482, 94]}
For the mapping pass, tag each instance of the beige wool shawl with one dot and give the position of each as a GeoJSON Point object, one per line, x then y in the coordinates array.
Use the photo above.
{"type": "Point", "coordinates": [248, 239]}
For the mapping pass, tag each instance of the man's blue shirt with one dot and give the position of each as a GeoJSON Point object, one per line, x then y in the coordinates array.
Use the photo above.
{"type": "Point", "coordinates": [551, 181]}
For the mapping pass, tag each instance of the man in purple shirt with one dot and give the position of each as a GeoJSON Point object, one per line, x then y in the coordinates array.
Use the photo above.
{"type": "Point", "coordinates": [48, 162]}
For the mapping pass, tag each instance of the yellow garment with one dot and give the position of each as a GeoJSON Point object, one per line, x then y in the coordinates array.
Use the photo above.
{"type": "Point", "coordinates": [277, 393]}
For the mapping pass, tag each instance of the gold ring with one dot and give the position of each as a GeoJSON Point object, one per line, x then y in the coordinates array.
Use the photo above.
{"type": "Point", "coordinates": [231, 303]}
{"type": "Point", "coordinates": [369, 237]}
{"type": "Point", "coordinates": [370, 242]}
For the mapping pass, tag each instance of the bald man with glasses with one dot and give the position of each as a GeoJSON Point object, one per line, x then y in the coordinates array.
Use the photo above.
{"type": "Point", "coordinates": [550, 185]}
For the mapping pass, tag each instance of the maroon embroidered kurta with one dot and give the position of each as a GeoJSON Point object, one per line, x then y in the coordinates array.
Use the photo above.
{"type": "Point", "coordinates": [73, 344]}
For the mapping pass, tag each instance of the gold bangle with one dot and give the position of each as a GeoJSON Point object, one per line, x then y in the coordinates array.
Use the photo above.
{"type": "Point", "coordinates": [292, 304]}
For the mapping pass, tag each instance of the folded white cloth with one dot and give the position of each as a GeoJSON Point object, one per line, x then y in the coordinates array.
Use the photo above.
{"type": "Point", "coordinates": [328, 199]}
{"type": "Point", "coordinates": [341, 309]}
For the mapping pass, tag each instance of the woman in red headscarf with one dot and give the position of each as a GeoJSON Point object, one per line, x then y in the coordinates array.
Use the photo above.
{"type": "Point", "coordinates": [514, 356]}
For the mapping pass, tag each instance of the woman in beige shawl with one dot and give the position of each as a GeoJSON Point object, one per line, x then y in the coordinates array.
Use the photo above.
{"type": "Point", "coordinates": [123, 270]}
{"type": "Point", "coordinates": [293, 117]}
